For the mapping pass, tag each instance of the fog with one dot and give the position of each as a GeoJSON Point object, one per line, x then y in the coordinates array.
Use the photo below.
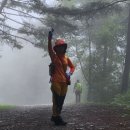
{"type": "Point", "coordinates": [24, 78]}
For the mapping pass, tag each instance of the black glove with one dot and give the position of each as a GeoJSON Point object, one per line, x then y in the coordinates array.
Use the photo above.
{"type": "Point", "coordinates": [50, 34]}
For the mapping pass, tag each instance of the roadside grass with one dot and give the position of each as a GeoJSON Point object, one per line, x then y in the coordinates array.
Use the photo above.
{"type": "Point", "coordinates": [6, 106]}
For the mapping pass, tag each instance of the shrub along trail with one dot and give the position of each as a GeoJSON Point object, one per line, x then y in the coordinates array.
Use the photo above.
{"type": "Point", "coordinates": [80, 117]}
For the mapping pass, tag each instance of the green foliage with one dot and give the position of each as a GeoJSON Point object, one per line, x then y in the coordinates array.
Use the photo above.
{"type": "Point", "coordinates": [106, 61]}
{"type": "Point", "coordinates": [122, 99]}
{"type": "Point", "coordinates": [3, 106]}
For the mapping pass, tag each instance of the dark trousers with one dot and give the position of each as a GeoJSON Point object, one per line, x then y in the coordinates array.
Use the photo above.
{"type": "Point", "coordinates": [78, 95]}
{"type": "Point", "coordinates": [59, 91]}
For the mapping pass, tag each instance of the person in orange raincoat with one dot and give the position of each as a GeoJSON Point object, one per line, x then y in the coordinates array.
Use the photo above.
{"type": "Point", "coordinates": [60, 79]}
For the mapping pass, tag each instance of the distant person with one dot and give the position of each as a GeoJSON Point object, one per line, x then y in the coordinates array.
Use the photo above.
{"type": "Point", "coordinates": [60, 79]}
{"type": "Point", "coordinates": [78, 91]}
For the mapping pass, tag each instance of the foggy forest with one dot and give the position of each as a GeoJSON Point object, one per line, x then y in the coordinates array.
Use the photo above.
{"type": "Point", "coordinates": [97, 33]}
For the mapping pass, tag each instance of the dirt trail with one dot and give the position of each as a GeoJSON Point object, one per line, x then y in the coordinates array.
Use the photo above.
{"type": "Point", "coordinates": [81, 117]}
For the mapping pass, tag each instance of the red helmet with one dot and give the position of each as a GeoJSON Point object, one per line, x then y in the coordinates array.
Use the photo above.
{"type": "Point", "coordinates": [60, 42]}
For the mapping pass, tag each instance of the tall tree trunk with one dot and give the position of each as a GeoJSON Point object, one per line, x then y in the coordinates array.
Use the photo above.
{"type": "Point", "coordinates": [125, 78]}
{"type": "Point", "coordinates": [89, 95]}
{"type": "Point", "coordinates": [4, 2]}
{"type": "Point", "coordinates": [81, 65]}
{"type": "Point", "coordinates": [90, 61]}
{"type": "Point", "coordinates": [105, 60]}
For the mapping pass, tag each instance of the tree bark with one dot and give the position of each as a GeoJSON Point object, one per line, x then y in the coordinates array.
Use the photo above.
{"type": "Point", "coordinates": [81, 64]}
{"type": "Point", "coordinates": [89, 95]}
{"type": "Point", "coordinates": [105, 59]}
{"type": "Point", "coordinates": [4, 2]}
{"type": "Point", "coordinates": [125, 78]}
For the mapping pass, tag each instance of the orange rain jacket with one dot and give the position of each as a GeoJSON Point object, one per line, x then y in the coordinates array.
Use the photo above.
{"type": "Point", "coordinates": [60, 68]}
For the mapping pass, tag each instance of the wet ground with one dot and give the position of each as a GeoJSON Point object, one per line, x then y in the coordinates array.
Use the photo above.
{"type": "Point", "coordinates": [80, 117]}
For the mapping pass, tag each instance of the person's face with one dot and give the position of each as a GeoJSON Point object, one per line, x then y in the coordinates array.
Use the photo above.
{"type": "Point", "coordinates": [60, 50]}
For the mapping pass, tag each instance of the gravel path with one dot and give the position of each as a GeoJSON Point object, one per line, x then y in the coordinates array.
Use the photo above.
{"type": "Point", "coordinates": [81, 117]}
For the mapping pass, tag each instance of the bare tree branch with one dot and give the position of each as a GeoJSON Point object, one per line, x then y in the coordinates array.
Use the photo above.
{"type": "Point", "coordinates": [29, 15]}
{"type": "Point", "coordinates": [16, 36]}
{"type": "Point", "coordinates": [24, 24]}
{"type": "Point", "coordinates": [40, 8]}
{"type": "Point", "coordinates": [15, 29]}
{"type": "Point", "coordinates": [15, 21]}
{"type": "Point", "coordinates": [92, 7]}
{"type": "Point", "coordinates": [19, 15]}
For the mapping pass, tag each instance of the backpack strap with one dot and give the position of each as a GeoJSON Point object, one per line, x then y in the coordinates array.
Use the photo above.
{"type": "Point", "coordinates": [62, 64]}
{"type": "Point", "coordinates": [64, 71]}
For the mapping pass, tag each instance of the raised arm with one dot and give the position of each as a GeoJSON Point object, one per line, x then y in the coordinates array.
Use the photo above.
{"type": "Point", "coordinates": [50, 49]}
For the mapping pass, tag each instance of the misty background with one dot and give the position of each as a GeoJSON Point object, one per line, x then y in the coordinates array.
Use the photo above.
{"type": "Point", "coordinates": [97, 33]}
{"type": "Point", "coordinates": [24, 77]}
{"type": "Point", "coordinates": [25, 81]}
{"type": "Point", "coordinates": [24, 74]}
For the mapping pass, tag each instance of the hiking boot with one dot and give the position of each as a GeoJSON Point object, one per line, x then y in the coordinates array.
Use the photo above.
{"type": "Point", "coordinates": [58, 121]}
{"type": "Point", "coordinates": [62, 122]}
{"type": "Point", "coordinates": [53, 118]}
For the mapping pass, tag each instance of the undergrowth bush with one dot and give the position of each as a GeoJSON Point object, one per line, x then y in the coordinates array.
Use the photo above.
{"type": "Point", "coordinates": [122, 99]}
